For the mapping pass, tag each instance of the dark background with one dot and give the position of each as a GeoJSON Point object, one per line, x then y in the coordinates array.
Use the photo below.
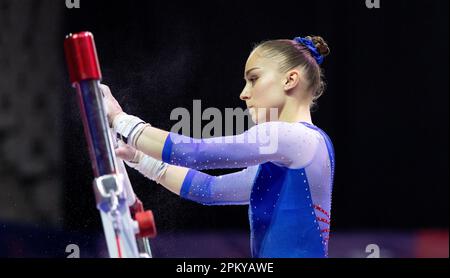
{"type": "Point", "coordinates": [385, 107]}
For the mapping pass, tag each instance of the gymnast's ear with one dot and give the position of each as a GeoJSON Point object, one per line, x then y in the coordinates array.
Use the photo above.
{"type": "Point", "coordinates": [291, 80]}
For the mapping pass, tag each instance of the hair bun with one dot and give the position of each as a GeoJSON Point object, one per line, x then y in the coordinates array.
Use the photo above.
{"type": "Point", "coordinates": [320, 44]}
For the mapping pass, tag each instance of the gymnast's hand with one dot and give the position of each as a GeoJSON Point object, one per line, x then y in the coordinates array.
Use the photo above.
{"type": "Point", "coordinates": [112, 106]}
{"type": "Point", "coordinates": [148, 166]}
{"type": "Point", "coordinates": [127, 153]}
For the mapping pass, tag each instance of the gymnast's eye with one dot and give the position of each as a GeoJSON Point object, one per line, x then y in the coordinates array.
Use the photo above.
{"type": "Point", "coordinates": [253, 80]}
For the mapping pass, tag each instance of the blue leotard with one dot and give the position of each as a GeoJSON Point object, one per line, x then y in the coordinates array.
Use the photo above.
{"type": "Point", "coordinates": [287, 183]}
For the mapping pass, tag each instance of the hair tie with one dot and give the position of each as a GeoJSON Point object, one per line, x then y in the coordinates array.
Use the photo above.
{"type": "Point", "coordinates": [312, 48]}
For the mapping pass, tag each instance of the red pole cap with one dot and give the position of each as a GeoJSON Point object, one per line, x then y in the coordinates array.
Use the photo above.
{"type": "Point", "coordinates": [81, 57]}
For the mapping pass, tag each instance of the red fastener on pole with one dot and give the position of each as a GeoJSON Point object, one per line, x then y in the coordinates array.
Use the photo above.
{"type": "Point", "coordinates": [147, 227]}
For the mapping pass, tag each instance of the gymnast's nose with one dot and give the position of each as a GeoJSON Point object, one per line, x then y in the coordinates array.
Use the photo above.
{"type": "Point", "coordinates": [245, 95]}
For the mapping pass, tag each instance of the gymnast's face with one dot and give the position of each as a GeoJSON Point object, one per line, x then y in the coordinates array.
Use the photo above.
{"type": "Point", "coordinates": [264, 87]}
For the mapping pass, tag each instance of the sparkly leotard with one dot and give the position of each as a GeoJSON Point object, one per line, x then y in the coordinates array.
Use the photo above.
{"type": "Point", "coordinates": [287, 183]}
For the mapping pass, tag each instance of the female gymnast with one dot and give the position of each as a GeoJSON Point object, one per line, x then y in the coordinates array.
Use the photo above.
{"type": "Point", "coordinates": [288, 188]}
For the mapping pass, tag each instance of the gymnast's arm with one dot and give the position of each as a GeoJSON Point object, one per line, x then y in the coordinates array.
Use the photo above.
{"type": "Point", "coordinates": [287, 144]}
{"type": "Point", "coordinates": [230, 189]}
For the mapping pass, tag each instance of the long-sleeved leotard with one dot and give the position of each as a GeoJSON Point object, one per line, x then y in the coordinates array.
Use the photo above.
{"type": "Point", "coordinates": [287, 183]}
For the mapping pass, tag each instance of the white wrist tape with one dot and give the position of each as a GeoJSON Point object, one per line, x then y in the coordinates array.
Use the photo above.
{"type": "Point", "coordinates": [148, 166]}
{"type": "Point", "coordinates": [128, 127]}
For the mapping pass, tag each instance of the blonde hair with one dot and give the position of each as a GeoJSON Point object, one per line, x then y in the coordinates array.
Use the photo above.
{"type": "Point", "coordinates": [292, 54]}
